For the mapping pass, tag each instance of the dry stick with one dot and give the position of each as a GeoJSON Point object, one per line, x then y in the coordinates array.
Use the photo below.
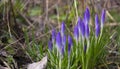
{"type": "Point", "coordinates": [107, 12]}
{"type": "Point", "coordinates": [92, 3]}
{"type": "Point", "coordinates": [105, 4]}
{"type": "Point", "coordinates": [8, 20]}
{"type": "Point", "coordinates": [58, 16]}
{"type": "Point", "coordinates": [75, 5]}
{"type": "Point", "coordinates": [25, 4]}
{"type": "Point", "coordinates": [26, 19]}
{"type": "Point", "coordinates": [30, 24]}
{"type": "Point", "coordinates": [6, 17]}
{"type": "Point", "coordinates": [46, 13]}
{"type": "Point", "coordinates": [6, 64]}
{"type": "Point", "coordinates": [11, 44]}
{"type": "Point", "coordinates": [12, 10]}
{"type": "Point", "coordinates": [112, 24]}
{"type": "Point", "coordinates": [47, 2]}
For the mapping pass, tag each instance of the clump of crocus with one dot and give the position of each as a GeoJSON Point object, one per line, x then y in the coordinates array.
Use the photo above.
{"type": "Point", "coordinates": [86, 47]}
{"type": "Point", "coordinates": [58, 45]}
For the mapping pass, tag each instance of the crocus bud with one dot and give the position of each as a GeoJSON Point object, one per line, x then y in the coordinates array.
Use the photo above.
{"type": "Point", "coordinates": [76, 33]}
{"type": "Point", "coordinates": [53, 35]}
{"type": "Point", "coordinates": [86, 21]}
{"type": "Point", "coordinates": [97, 26]}
{"type": "Point", "coordinates": [59, 41]}
{"type": "Point", "coordinates": [78, 23]}
{"type": "Point", "coordinates": [50, 45]}
{"type": "Point", "coordinates": [62, 28]}
{"type": "Point", "coordinates": [103, 17]}
{"type": "Point", "coordinates": [70, 43]}
{"type": "Point", "coordinates": [87, 15]}
{"type": "Point", "coordinates": [82, 27]}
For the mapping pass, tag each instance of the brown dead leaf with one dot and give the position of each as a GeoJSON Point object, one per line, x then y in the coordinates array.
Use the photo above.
{"type": "Point", "coordinates": [38, 65]}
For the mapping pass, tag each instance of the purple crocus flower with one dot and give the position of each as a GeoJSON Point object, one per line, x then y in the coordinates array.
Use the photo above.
{"type": "Point", "coordinates": [97, 26]}
{"type": "Point", "coordinates": [59, 41]}
{"type": "Point", "coordinates": [70, 43]}
{"type": "Point", "coordinates": [78, 23]}
{"type": "Point", "coordinates": [53, 35]}
{"type": "Point", "coordinates": [86, 21]}
{"type": "Point", "coordinates": [82, 28]}
{"type": "Point", "coordinates": [62, 28]}
{"type": "Point", "coordinates": [50, 45]}
{"type": "Point", "coordinates": [76, 32]}
{"type": "Point", "coordinates": [87, 15]}
{"type": "Point", "coordinates": [103, 17]}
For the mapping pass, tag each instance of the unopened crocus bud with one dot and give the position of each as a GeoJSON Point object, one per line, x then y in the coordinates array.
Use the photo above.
{"type": "Point", "coordinates": [76, 32]}
{"type": "Point", "coordinates": [86, 21]}
{"type": "Point", "coordinates": [78, 24]}
{"type": "Point", "coordinates": [70, 43]}
{"type": "Point", "coordinates": [87, 15]}
{"type": "Point", "coordinates": [59, 41]}
{"type": "Point", "coordinates": [82, 27]}
{"type": "Point", "coordinates": [53, 35]}
{"type": "Point", "coordinates": [103, 17]}
{"type": "Point", "coordinates": [50, 45]}
{"type": "Point", "coordinates": [97, 26]}
{"type": "Point", "coordinates": [62, 28]}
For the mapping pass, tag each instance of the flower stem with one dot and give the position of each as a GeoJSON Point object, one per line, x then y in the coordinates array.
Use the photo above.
{"type": "Point", "coordinates": [68, 63]}
{"type": "Point", "coordinates": [60, 63]}
{"type": "Point", "coordinates": [100, 34]}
